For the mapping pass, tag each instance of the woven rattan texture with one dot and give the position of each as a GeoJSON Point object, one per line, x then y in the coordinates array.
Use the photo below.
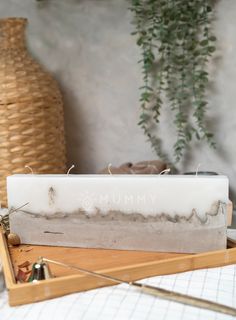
{"type": "Point", "coordinates": [31, 110]}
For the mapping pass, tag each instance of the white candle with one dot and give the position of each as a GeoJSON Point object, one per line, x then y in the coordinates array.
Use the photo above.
{"type": "Point", "coordinates": [148, 196]}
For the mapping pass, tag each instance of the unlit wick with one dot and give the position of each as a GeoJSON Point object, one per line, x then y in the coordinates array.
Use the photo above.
{"type": "Point", "coordinates": [198, 169]}
{"type": "Point", "coordinates": [31, 170]}
{"type": "Point", "coordinates": [69, 170]}
{"type": "Point", "coordinates": [156, 291]}
{"type": "Point", "coordinates": [109, 168]}
{"type": "Point", "coordinates": [165, 171]}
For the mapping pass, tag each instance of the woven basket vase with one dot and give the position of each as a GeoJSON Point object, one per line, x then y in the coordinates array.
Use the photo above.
{"type": "Point", "coordinates": [31, 110]}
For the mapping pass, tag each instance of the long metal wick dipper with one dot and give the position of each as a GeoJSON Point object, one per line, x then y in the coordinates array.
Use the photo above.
{"type": "Point", "coordinates": [156, 291]}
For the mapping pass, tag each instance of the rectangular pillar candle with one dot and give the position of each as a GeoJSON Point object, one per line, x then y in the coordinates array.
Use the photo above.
{"type": "Point", "coordinates": [175, 213]}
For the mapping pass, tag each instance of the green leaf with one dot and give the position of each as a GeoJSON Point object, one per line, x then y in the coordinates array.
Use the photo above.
{"type": "Point", "coordinates": [188, 135]}
{"type": "Point", "coordinates": [209, 9]}
{"type": "Point", "coordinates": [204, 43]}
{"type": "Point", "coordinates": [209, 135]}
{"type": "Point", "coordinates": [144, 116]}
{"type": "Point", "coordinates": [211, 49]}
{"type": "Point", "coordinates": [212, 38]}
{"type": "Point", "coordinates": [145, 96]}
{"type": "Point", "coordinates": [197, 135]}
{"type": "Point", "coordinates": [146, 88]}
{"type": "Point", "coordinates": [140, 41]}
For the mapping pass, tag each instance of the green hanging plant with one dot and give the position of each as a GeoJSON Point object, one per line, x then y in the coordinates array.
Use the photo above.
{"type": "Point", "coordinates": [176, 42]}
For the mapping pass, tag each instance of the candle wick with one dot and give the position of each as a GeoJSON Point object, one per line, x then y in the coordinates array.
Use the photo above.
{"type": "Point", "coordinates": [164, 171]}
{"type": "Point", "coordinates": [69, 170]}
{"type": "Point", "coordinates": [31, 170]}
{"type": "Point", "coordinates": [109, 168]}
{"type": "Point", "coordinates": [198, 169]}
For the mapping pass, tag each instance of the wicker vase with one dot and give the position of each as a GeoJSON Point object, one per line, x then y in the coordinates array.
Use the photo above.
{"type": "Point", "coordinates": [31, 110]}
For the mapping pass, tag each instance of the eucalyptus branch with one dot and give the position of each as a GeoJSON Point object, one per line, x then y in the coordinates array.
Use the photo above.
{"type": "Point", "coordinates": [175, 41]}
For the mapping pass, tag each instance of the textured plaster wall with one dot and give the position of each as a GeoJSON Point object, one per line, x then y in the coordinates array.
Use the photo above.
{"type": "Point", "coordinates": [87, 45]}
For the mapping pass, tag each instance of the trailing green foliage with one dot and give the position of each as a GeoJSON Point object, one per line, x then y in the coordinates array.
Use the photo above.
{"type": "Point", "coordinates": [176, 42]}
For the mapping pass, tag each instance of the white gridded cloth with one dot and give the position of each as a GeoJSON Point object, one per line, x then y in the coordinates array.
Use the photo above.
{"type": "Point", "coordinates": [126, 303]}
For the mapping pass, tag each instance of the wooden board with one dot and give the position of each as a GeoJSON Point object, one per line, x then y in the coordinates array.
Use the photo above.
{"type": "Point", "coordinates": [126, 265]}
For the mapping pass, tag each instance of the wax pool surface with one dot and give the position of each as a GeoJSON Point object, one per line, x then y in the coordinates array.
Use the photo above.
{"type": "Point", "coordinates": [145, 194]}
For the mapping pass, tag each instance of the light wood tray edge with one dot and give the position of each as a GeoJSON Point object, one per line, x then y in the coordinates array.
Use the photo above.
{"type": "Point", "coordinates": [47, 289]}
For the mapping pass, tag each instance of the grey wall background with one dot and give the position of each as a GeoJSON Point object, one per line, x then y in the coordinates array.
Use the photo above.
{"type": "Point", "coordinates": [87, 45]}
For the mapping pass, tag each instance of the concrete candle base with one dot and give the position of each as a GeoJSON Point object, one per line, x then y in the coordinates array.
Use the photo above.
{"type": "Point", "coordinates": [117, 230]}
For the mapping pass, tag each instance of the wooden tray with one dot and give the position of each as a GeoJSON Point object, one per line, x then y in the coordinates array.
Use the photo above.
{"type": "Point", "coordinates": [126, 265]}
